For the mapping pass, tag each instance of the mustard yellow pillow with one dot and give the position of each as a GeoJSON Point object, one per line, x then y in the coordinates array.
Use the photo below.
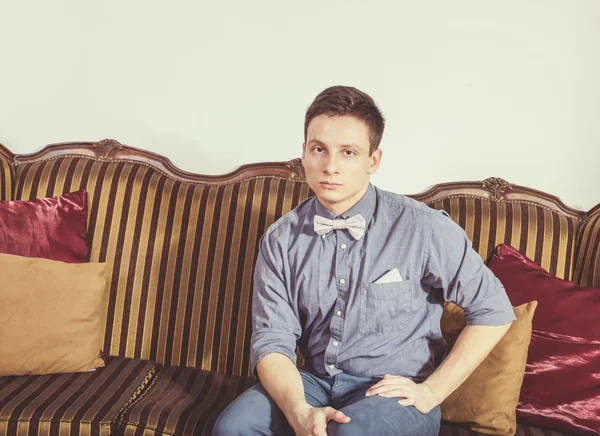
{"type": "Point", "coordinates": [486, 402]}
{"type": "Point", "coordinates": [52, 315]}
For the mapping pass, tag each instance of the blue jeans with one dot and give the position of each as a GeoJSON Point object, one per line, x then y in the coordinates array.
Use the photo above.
{"type": "Point", "coordinates": [254, 413]}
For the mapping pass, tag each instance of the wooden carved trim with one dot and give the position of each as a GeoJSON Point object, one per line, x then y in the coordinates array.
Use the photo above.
{"type": "Point", "coordinates": [496, 187]}
{"type": "Point", "coordinates": [297, 168]}
{"type": "Point", "coordinates": [593, 212]}
{"type": "Point", "coordinates": [5, 152]}
{"type": "Point", "coordinates": [109, 146]}
{"type": "Point", "coordinates": [493, 189]}
{"type": "Point", "coordinates": [113, 150]}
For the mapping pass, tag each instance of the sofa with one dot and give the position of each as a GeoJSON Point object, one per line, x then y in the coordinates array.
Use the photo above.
{"type": "Point", "coordinates": [180, 249]}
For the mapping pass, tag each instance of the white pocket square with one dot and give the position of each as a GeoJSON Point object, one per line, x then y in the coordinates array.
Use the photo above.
{"type": "Point", "coordinates": [390, 277]}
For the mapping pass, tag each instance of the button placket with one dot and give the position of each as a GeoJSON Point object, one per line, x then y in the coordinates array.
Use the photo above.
{"type": "Point", "coordinates": [342, 282]}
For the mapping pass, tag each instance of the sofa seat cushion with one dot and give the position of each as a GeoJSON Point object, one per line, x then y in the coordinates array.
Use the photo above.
{"type": "Point", "coordinates": [449, 429]}
{"type": "Point", "coordinates": [186, 402]}
{"type": "Point", "coordinates": [182, 401]}
{"type": "Point", "coordinates": [77, 403]}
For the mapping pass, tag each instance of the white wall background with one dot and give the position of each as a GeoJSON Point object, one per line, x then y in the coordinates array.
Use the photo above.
{"type": "Point", "coordinates": [470, 88]}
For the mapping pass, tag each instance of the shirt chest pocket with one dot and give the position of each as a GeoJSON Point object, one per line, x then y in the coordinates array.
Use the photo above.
{"type": "Point", "coordinates": [385, 307]}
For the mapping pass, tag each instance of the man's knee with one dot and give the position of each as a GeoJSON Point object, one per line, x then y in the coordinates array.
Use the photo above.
{"type": "Point", "coordinates": [228, 425]}
{"type": "Point", "coordinates": [361, 423]}
{"type": "Point", "coordinates": [368, 419]}
{"type": "Point", "coordinates": [240, 416]}
{"type": "Point", "coordinates": [366, 427]}
{"type": "Point", "coordinates": [348, 429]}
{"type": "Point", "coordinates": [252, 413]}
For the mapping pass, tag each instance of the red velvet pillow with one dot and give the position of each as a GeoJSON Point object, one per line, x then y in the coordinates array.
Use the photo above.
{"type": "Point", "coordinates": [52, 228]}
{"type": "Point", "coordinates": [561, 387]}
{"type": "Point", "coordinates": [563, 307]}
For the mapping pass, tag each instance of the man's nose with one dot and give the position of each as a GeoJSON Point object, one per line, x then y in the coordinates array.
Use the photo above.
{"type": "Point", "coordinates": [332, 165]}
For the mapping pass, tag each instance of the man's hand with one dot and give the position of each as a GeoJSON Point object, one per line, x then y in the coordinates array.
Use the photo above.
{"type": "Point", "coordinates": [312, 421]}
{"type": "Point", "coordinates": [413, 394]}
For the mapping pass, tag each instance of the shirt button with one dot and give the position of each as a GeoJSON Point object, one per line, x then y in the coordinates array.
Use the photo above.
{"type": "Point", "coordinates": [339, 313]}
{"type": "Point", "coordinates": [331, 366]}
{"type": "Point", "coordinates": [335, 343]}
{"type": "Point", "coordinates": [343, 246]}
{"type": "Point", "coordinates": [323, 236]}
{"type": "Point", "coordinates": [342, 281]}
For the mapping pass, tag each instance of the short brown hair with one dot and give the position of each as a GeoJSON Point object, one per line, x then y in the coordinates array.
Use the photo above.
{"type": "Point", "coordinates": [348, 101]}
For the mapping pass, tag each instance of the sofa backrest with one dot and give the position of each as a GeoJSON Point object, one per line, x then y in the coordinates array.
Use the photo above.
{"type": "Point", "coordinates": [181, 248]}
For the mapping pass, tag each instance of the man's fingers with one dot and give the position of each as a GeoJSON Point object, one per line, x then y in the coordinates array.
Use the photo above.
{"type": "Point", "coordinates": [384, 389]}
{"type": "Point", "coordinates": [377, 386]}
{"type": "Point", "coordinates": [391, 379]}
{"type": "Point", "coordinates": [396, 393]}
{"type": "Point", "coordinates": [337, 415]}
{"type": "Point", "coordinates": [341, 418]}
{"type": "Point", "coordinates": [407, 402]}
{"type": "Point", "coordinates": [319, 427]}
{"type": "Point", "coordinates": [384, 386]}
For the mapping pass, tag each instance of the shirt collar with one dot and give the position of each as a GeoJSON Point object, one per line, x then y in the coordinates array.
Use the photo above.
{"type": "Point", "coordinates": [365, 207]}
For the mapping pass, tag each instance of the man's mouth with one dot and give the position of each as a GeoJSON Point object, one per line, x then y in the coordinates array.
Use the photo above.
{"type": "Point", "coordinates": [330, 184]}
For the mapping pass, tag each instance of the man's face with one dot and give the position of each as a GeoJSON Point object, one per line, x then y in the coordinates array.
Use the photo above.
{"type": "Point", "coordinates": [337, 162]}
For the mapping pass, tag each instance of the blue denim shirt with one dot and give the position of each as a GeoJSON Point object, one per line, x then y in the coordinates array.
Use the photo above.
{"type": "Point", "coordinates": [319, 292]}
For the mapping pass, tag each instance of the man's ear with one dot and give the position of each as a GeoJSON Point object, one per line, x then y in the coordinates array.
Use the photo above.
{"type": "Point", "coordinates": [375, 160]}
{"type": "Point", "coordinates": [303, 149]}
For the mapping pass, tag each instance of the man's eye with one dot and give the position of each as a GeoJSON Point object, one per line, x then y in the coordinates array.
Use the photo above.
{"type": "Point", "coordinates": [318, 149]}
{"type": "Point", "coordinates": [348, 152]}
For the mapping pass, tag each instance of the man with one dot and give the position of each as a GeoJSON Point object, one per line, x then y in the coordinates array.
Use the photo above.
{"type": "Point", "coordinates": [357, 277]}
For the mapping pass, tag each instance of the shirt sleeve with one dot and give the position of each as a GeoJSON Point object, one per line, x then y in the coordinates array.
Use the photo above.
{"type": "Point", "coordinates": [454, 266]}
{"type": "Point", "coordinates": [275, 324]}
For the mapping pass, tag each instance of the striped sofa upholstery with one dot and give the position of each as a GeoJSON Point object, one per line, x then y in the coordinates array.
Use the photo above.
{"type": "Point", "coordinates": [541, 234]}
{"type": "Point", "coordinates": [7, 177]}
{"type": "Point", "coordinates": [181, 254]}
{"type": "Point", "coordinates": [181, 248]}
{"type": "Point", "coordinates": [72, 404]}
{"type": "Point", "coordinates": [564, 241]}
{"type": "Point", "coordinates": [587, 266]}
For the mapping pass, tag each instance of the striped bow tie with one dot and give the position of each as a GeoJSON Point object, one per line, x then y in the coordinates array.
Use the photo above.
{"type": "Point", "coordinates": [355, 225]}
